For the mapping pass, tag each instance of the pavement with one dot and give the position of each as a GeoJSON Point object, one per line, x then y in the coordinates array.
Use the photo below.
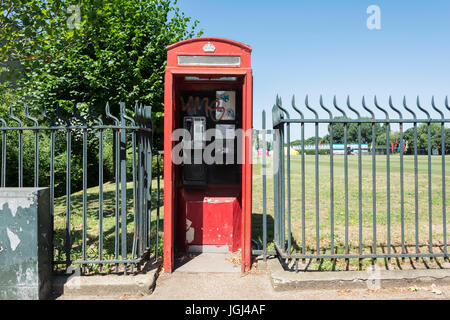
{"type": "Point", "coordinates": [209, 263]}
{"type": "Point", "coordinates": [213, 276]}
{"type": "Point", "coordinates": [373, 278]}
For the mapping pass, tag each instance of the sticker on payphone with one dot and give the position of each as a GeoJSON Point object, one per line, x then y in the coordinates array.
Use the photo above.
{"type": "Point", "coordinates": [225, 105]}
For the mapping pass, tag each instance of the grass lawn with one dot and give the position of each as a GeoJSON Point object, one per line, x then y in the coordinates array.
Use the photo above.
{"type": "Point", "coordinates": [310, 223]}
{"type": "Point", "coordinates": [92, 247]}
{"type": "Point", "coordinates": [353, 212]}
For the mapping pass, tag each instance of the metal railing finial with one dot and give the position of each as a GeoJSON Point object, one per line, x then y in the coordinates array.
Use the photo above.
{"type": "Point", "coordinates": [309, 108]}
{"type": "Point", "coordinates": [129, 118]}
{"type": "Point", "coordinates": [434, 107]}
{"type": "Point", "coordinates": [93, 116]}
{"type": "Point", "coordinates": [295, 107]}
{"type": "Point", "coordinates": [351, 108]}
{"type": "Point", "coordinates": [375, 101]}
{"type": "Point", "coordinates": [279, 104]}
{"type": "Point", "coordinates": [363, 102]}
{"type": "Point", "coordinates": [277, 115]}
{"type": "Point", "coordinates": [60, 115]}
{"type": "Point", "coordinates": [422, 109]}
{"type": "Point", "coordinates": [325, 108]}
{"type": "Point", "coordinates": [109, 115]}
{"type": "Point", "coordinates": [408, 109]}
{"type": "Point", "coordinates": [77, 115]}
{"type": "Point", "coordinates": [44, 114]}
{"type": "Point", "coordinates": [29, 117]}
{"type": "Point", "coordinates": [337, 107]}
{"type": "Point", "coordinates": [394, 108]}
{"type": "Point", "coordinates": [13, 117]}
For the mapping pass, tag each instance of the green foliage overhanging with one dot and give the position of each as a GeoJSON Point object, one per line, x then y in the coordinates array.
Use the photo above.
{"type": "Point", "coordinates": [114, 50]}
{"type": "Point", "coordinates": [117, 51]}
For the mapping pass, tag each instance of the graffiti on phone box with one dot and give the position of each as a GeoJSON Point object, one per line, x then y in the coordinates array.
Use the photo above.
{"type": "Point", "coordinates": [197, 106]}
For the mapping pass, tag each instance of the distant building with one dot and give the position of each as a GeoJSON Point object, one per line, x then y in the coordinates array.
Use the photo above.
{"type": "Point", "coordinates": [338, 148]}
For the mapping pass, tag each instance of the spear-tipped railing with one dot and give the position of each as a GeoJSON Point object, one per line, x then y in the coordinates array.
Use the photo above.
{"type": "Point", "coordinates": [76, 249]}
{"type": "Point", "coordinates": [325, 245]}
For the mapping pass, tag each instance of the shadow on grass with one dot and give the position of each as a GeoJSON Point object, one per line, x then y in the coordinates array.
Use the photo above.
{"type": "Point", "coordinates": [109, 225]}
{"type": "Point", "coordinates": [361, 264]}
{"type": "Point", "coordinates": [92, 200]}
{"type": "Point", "coordinates": [257, 230]}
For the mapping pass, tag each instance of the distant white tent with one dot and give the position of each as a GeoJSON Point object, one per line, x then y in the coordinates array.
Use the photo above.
{"type": "Point", "coordinates": [292, 151]}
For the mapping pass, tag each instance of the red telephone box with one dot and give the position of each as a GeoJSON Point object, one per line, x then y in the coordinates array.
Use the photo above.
{"type": "Point", "coordinates": [207, 206]}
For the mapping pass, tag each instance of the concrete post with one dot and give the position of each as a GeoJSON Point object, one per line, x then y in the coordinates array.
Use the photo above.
{"type": "Point", "coordinates": [26, 249]}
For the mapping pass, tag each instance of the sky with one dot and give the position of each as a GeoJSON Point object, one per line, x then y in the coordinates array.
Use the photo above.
{"type": "Point", "coordinates": [325, 47]}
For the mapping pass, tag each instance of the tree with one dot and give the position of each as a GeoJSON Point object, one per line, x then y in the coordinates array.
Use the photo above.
{"type": "Point", "coordinates": [5, 92]}
{"type": "Point", "coordinates": [436, 141]}
{"type": "Point", "coordinates": [422, 137]}
{"type": "Point", "coordinates": [85, 51]}
{"type": "Point", "coordinates": [393, 136]}
{"type": "Point", "coordinates": [116, 53]}
{"type": "Point", "coordinates": [352, 132]}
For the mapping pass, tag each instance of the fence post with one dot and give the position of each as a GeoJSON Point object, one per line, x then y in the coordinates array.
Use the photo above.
{"type": "Point", "coordinates": [157, 204]}
{"type": "Point", "coordinates": [264, 148]}
{"type": "Point", "coordinates": [148, 165]}
{"type": "Point", "coordinates": [123, 181]}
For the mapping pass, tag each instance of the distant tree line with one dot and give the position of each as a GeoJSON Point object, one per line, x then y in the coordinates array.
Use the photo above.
{"type": "Point", "coordinates": [380, 132]}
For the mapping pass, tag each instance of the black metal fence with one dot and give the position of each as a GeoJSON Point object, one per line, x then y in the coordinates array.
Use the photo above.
{"type": "Point", "coordinates": [106, 227]}
{"type": "Point", "coordinates": [398, 211]}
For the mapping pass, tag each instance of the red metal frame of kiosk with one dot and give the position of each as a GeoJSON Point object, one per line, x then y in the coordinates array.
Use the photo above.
{"type": "Point", "coordinates": [216, 61]}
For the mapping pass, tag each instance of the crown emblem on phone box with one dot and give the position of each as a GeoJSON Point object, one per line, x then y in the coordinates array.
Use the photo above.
{"type": "Point", "coordinates": [209, 47]}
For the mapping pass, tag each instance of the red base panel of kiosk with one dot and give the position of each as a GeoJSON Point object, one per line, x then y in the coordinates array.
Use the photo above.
{"type": "Point", "coordinates": [210, 220]}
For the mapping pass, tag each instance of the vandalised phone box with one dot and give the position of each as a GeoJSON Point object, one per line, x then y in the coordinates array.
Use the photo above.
{"type": "Point", "coordinates": [207, 148]}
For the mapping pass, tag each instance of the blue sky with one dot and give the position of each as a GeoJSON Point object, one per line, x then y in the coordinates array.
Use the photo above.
{"type": "Point", "coordinates": [325, 47]}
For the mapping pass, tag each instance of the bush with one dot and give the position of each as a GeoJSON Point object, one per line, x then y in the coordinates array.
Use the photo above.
{"type": "Point", "coordinates": [154, 164]}
{"type": "Point", "coordinates": [322, 152]}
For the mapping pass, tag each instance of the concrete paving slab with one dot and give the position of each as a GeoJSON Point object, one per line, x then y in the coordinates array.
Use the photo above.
{"type": "Point", "coordinates": [256, 285]}
{"type": "Point", "coordinates": [283, 279]}
{"type": "Point", "coordinates": [208, 262]}
{"type": "Point", "coordinates": [106, 285]}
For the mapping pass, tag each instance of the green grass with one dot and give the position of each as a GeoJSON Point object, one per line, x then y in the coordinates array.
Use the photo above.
{"type": "Point", "coordinates": [92, 226]}
{"type": "Point", "coordinates": [296, 213]}
{"type": "Point", "coordinates": [353, 207]}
